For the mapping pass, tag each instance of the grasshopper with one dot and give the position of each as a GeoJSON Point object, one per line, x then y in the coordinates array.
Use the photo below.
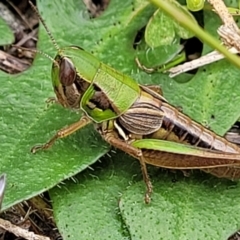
{"type": "Point", "coordinates": [134, 118]}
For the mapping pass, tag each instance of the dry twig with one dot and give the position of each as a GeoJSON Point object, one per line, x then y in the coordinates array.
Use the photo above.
{"type": "Point", "coordinates": [20, 232]}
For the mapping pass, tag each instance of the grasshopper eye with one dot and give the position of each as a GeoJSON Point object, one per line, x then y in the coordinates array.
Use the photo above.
{"type": "Point", "coordinates": [67, 72]}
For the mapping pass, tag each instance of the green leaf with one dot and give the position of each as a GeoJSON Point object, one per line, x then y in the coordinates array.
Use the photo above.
{"type": "Point", "coordinates": [182, 208]}
{"type": "Point", "coordinates": [162, 29]}
{"type": "Point", "coordinates": [88, 207]}
{"type": "Point", "coordinates": [6, 33]}
{"type": "Point", "coordinates": [26, 120]}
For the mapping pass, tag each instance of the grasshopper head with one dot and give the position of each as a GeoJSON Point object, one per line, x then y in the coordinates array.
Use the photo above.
{"type": "Point", "coordinates": [72, 73]}
{"type": "Point", "coordinates": [73, 70]}
{"type": "Point", "coordinates": [68, 86]}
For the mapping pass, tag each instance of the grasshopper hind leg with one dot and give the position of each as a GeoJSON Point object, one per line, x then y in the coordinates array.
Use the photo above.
{"type": "Point", "coordinates": [146, 179]}
{"type": "Point", "coordinates": [115, 141]}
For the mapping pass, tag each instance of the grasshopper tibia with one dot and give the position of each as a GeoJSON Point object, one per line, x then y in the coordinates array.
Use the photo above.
{"type": "Point", "coordinates": [144, 68]}
{"type": "Point", "coordinates": [113, 140]}
{"type": "Point", "coordinates": [64, 132]}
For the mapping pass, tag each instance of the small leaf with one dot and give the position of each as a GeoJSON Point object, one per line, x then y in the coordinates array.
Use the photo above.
{"type": "Point", "coordinates": [159, 30]}
{"type": "Point", "coordinates": [162, 30]}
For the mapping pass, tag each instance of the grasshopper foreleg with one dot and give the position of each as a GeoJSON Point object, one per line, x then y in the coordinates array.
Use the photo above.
{"type": "Point", "coordinates": [144, 68]}
{"type": "Point", "coordinates": [64, 132]}
{"type": "Point", "coordinates": [113, 140]}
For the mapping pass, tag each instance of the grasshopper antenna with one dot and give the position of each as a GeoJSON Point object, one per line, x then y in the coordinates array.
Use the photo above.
{"type": "Point", "coordinates": [37, 51]}
{"type": "Point", "coordinates": [45, 26]}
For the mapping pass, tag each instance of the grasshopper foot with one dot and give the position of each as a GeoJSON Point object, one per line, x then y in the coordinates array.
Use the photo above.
{"type": "Point", "coordinates": [51, 100]}
{"type": "Point", "coordinates": [144, 68]}
{"type": "Point", "coordinates": [147, 198]}
{"type": "Point", "coordinates": [40, 147]}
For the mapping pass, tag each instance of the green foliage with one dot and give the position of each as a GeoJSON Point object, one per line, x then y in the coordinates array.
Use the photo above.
{"type": "Point", "coordinates": [162, 29]}
{"type": "Point", "coordinates": [201, 205]}
{"type": "Point", "coordinates": [5, 33]}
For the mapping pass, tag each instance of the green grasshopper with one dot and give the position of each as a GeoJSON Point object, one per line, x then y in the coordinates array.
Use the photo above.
{"type": "Point", "coordinates": [135, 118]}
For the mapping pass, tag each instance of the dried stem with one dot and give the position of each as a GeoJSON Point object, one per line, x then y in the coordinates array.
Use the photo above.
{"type": "Point", "coordinates": [20, 232]}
